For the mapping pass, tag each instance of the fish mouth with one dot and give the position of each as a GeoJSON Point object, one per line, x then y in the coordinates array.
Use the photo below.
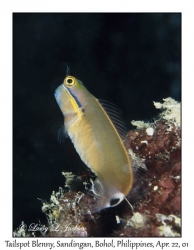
{"type": "Point", "coordinates": [57, 95]}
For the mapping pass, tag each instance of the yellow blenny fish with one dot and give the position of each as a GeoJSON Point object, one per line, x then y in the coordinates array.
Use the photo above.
{"type": "Point", "coordinates": [96, 132]}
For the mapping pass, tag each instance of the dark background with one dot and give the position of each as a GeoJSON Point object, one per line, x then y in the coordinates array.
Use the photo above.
{"type": "Point", "coordinates": [128, 59]}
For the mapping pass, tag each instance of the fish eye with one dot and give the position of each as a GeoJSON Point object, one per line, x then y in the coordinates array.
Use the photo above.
{"type": "Point", "coordinates": [69, 81]}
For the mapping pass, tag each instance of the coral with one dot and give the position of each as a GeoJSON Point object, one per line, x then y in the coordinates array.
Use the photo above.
{"type": "Point", "coordinates": [64, 217]}
{"type": "Point", "coordinates": [159, 145]}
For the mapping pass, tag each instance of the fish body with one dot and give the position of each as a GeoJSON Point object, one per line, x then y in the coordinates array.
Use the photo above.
{"type": "Point", "coordinates": [97, 141]}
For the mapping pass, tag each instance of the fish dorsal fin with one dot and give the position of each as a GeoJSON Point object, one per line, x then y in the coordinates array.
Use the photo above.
{"type": "Point", "coordinates": [115, 116]}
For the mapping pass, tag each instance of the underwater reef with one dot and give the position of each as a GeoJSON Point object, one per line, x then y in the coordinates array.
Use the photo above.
{"type": "Point", "coordinates": [155, 210]}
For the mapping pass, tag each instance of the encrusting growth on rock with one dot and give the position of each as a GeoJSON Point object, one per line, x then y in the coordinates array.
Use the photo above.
{"type": "Point", "coordinates": [162, 156]}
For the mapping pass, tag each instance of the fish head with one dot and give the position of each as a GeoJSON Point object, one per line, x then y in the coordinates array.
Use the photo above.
{"type": "Point", "coordinates": [69, 95]}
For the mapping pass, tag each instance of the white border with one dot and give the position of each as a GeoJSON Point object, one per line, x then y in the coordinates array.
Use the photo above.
{"type": "Point", "coordinates": [6, 9]}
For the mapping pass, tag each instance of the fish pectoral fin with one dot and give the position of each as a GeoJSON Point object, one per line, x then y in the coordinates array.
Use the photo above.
{"type": "Point", "coordinates": [74, 116]}
{"type": "Point", "coordinates": [62, 134]}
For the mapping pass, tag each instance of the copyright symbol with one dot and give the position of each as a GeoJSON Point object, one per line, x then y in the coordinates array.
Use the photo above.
{"type": "Point", "coordinates": [23, 226]}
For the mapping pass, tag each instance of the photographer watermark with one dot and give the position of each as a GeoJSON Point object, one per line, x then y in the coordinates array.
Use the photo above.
{"type": "Point", "coordinates": [38, 227]}
{"type": "Point", "coordinates": [33, 227]}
